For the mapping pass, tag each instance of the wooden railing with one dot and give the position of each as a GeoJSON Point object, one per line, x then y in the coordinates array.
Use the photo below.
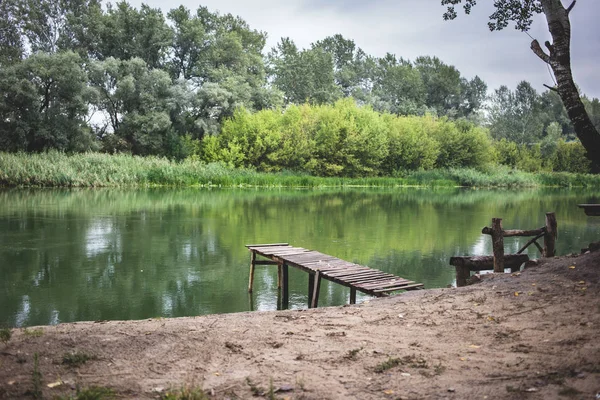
{"type": "Point", "coordinates": [499, 261]}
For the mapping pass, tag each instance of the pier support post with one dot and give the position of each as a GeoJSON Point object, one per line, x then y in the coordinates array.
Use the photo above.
{"type": "Point", "coordinates": [352, 295]}
{"type": "Point", "coordinates": [279, 273]}
{"type": "Point", "coordinates": [285, 293]}
{"type": "Point", "coordinates": [316, 288]}
{"type": "Point", "coordinates": [311, 288]}
{"type": "Point", "coordinates": [498, 244]}
{"type": "Point", "coordinates": [550, 236]}
{"type": "Point", "coordinates": [251, 277]}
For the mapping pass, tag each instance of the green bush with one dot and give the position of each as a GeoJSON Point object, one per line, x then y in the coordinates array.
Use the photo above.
{"type": "Point", "coordinates": [570, 157]}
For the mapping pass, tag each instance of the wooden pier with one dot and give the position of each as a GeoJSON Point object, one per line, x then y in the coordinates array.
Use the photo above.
{"type": "Point", "coordinates": [322, 266]}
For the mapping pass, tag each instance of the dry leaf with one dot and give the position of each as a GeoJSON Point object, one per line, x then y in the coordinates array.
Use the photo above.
{"type": "Point", "coordinates": [217, 374]}
{"type": "Point", "coordinates": [54, 384]}
{"type": "Point", "coordinates": [388, 391]}
{"type": "Point", "coordinates": [516, 294]}
{"type": "Point", "coordinates": [572, 267]}
{"type": "Point", "coordinates": [474, 346]}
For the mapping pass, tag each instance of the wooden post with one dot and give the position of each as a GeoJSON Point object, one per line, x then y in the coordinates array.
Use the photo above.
{"type": "Point", "coordinates": [462, 274]}
{"type": "Point", "coordinates": [316, 288]}
{"type": "Point", "coordinates": [285, 297]}
{"type": "Point", "coordinates": [311, 288]}
{"type": "Point", "coordinates": [352, 295]}
{"type": "Point", "coordinates": [498, 245]}
{"type": "Point", "coordinates": [251, 278]}
{"type": "Point", "coordinates": [279, 271]}
{"type": "Point", "coordinates": [550, 236]}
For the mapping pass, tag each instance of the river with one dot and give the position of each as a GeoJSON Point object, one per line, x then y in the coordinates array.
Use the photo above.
{"type": "Point", "coordinates": [106, 254]}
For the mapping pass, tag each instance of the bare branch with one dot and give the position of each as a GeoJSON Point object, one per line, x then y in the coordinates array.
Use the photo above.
{"type": "Point", "coordinates": [551, 88]}
{"type": "Point", "coordinates": [537, 49]}
{"type": "Point", "coordinates": [571, 6]}
{"type": "Point", "coordinates": [549, 47]}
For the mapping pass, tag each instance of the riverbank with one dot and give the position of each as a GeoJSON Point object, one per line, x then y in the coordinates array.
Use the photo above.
{"type": "Point", "coordinates": [54, 169]}
{"type": "Point", "coordinates": [529, 335]}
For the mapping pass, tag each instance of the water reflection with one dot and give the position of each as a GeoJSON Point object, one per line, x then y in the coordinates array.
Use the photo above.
{"type": "Point", "coordinates": [110, 254]}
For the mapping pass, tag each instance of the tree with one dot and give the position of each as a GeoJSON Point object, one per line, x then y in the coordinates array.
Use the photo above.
{"type": "Point", "coordinates": [521, 12]}
{"type": "Point", "coordinates": [516, 115]}
{"type": "Point", "coordinates": [398, 87]}
{"type": "Point", "coordinates": [303, 75]}
{"type": "Point", "coordinates": [44, 104]}
{"type": "Point", "coordinates": [11, 44]}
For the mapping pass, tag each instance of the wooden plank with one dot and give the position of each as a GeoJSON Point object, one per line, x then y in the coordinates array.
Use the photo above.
{"type": "Point", "coordinates": [310, 256]}
{"type": "Point", "coordinates": [350, 271]}
{"type": "Point", "coordinates": [374, 279]}
{"type": "Point", "coordinates": [267, 245]}
{"type": "Point", "coordinates": [267, 249]}
{"type": "Point", "coordinates": [481, 263]}
{"type": "Point", "coordinates": [327, 265]}
{"type": "Point", "coordinates": [515, 232]}
{"type": "Point", "coordinates": [384, 283]}
{"type": "Point", "coordinates": [363, 275]}
{"type": "Point", "coordinates": [366, 278]}
{"type": "Point", "coordinates": [265, 262]}
{"type": "Point", "coordinates": [408, 287]}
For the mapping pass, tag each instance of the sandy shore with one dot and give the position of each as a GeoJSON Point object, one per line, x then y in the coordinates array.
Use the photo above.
{"type": "Point", "coordinates": [531, 335]}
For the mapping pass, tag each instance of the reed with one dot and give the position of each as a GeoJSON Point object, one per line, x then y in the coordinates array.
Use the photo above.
{"type": "Point", "coordinates": [55, 169]}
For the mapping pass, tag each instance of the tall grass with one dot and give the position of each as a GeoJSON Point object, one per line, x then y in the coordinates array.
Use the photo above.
{"type": "Point", "coordinates": [55, 169]}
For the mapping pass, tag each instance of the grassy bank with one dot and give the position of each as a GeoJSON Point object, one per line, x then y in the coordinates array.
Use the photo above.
{"type": "Point", "coordinates": [56, 169]}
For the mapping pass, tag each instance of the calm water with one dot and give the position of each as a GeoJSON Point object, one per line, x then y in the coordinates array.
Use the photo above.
{"type": "Point", "coordinates": [112, 254]}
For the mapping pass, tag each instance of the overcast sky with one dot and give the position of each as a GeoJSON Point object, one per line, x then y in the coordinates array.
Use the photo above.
{"type": "Point", "coordinates": [410, 28]}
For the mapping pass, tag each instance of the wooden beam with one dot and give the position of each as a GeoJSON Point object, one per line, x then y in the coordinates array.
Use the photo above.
{"type": "Point", "coordinates": [316, 288]}
{"type": "Point", "coordinates": [352, 295]}
{"type": "Point", "coordinates": [550, 236]}
{"type": "Point", "coordinates": [251, 277]}
{"type": "Point", "coordinates": [498, 245]}
{"type": "Point", "coordinates": [482, 263]}
{"type": "Point", "coordinates": [265, 262]}
{"type": "Point", "coordinates": [311, 288]}
{"type": "Point", "coordinates": [285, 293]}
{"type": "Point", "coordinates": [515, 232]}
{"type": "Point", "coordinates": [267, 245]}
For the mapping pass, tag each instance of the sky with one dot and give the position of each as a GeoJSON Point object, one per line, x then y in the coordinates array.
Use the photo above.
{"type": "Point", "coordinates": [411, 28]}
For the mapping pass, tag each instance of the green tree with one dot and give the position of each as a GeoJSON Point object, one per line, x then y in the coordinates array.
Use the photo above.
{"type": "Point", "coordinates": [11, 43]}
{"type": "Point", "coordinates": [126, 33]}
{"type": "Point", "coordinates": [303, 75]}
{"type": "Point", "coordinates": [558, 57]}
{"type": "Point", "coordinates": [398, 87]}
{"type": "Point", "coordinates": [442, 84]}
{"type": "Point", "coordinates": [516, 115]}
{"type": "Point", "coordinates": [45, 104]}
{"type": "Point", "coordinates": [139, 103]}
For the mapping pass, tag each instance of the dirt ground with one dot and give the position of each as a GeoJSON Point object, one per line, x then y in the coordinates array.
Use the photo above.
{"type": "Point", "coordinates": [528, 335]}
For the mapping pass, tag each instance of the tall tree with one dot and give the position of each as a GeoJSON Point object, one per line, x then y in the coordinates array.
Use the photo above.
{"type": "Point", "coordinates": [44, 104]}
{"type": "Point", "coordinates": [11, 43]}
{"type": "Point", "coordinates": [558, 55]}
{"type": "Point", "coordinates": [303, 75]}
{"type": "Point", "coordinates": [516, 116]}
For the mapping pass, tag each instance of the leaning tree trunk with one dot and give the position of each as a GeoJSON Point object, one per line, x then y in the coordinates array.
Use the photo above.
{"type": "Point", "coordinates": [559, 59]}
